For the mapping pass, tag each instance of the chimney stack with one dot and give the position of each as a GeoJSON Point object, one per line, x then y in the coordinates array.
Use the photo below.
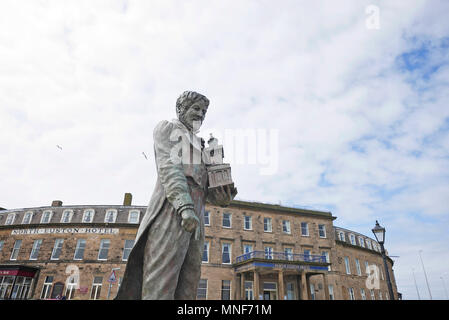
{"type": "Point", "coordinates": [56, 203]}
{"type": "Point", "coordinates": [128, 199]}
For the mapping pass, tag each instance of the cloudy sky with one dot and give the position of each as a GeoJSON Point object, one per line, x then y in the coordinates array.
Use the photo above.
{"type": "Point", "coordinates": [350, 98]}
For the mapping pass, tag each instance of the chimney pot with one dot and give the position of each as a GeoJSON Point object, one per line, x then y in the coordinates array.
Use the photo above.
{"type": "Point", "coordinates": [56, 203]}
{"type": "Point", "coordinates": [128, 199]}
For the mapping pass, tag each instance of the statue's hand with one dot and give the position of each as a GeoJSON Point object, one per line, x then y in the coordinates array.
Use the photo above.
{"type": "Point", "coordinates": [189, 220]}
{"type": "Point", "coordinates": [223, 195]}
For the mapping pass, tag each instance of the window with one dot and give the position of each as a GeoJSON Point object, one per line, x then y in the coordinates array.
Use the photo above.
{"type": "Point", "coordinates": [267, 227]}
{"type": "Point", "coordinates": [247, 248]}
{"type": "Point", "coordinates": [206, 252]}
{"type": "Point", "coordinates": [104, 249]}
{"type": "Point", "coordinates": [88, 216]}
{"type": "Point", "coordinates": [225, 289]}
{"type": "Point", "coordinates": [386, 296]}
{"type": "Point", "coordinates": [286, 226]}
{"type": "Point", "coordinates": [71, 289]}
{"type": "Point", "coordinates": [341, 236]}
{"type": "Point", "coordinates": [326, 255]}
{"type": "Point", "coordinates": [368, 244]}
{"type": "Point", "coordinates": [304, 229]}
{"type": "Point", "coordinates": [381, 273]}
{"type": "Point", "coordinates": [375, 246]}
{"type": "Point", "coordinates": [27, 217]}
{"type": "Point", "coordinates": [46, 289]}
{"type": "Point", "coordinates": [268, 252]}
{"type": "Point", "coordinates": [202, 289]}
{"type": "Point", "coordinates": [10, 219]}
{"type": "Point", "coordinates": [288, 253]}
{"type": "Point", "coordinates": [15, 250]}
{"type": "Point", "coordinates": [312, 291]}
{"type": "Point", "coordinates": [357, 266]}
{"type": "Point", "coordinates": [35, 250]}
{"type": "Point", "coordinates": [226, 220]}
{"type": "Point", "coordinates": [57, 249]}
{"type": "Point", "coordinates": [380, 296]}
{"type": "Point", "coordinates": [248, 225]}
{"type": "Point", "coordinates": [110, 216]}
{"type": "Point", "coordinates": [331, 292]}
{"type": "Point", "coordinates": [351, 294]}
{"type": "Point", "coordinates": [306, 255]}
{"type": "Point", "coordinates": [67, 216]}
{"type": "Point", "coordinates": [127, 249]}
{"type": "Point", "coordinates": [46, 216]}
{"type": "Point", "coordinates": [366, 267]}
{"type": "Point", "coordinates": [206, 218]}
{"type": "Point", "coordinates": [96, 288]}
{"type": "Point", "coordinates": [79, 249]}
{"type": "Point", "coordinates": [322, 230]}
{"type": "Point", "coordinates": [361, 242]}
{"type": "Point", "coordinates": [226, 253]}
{"type": "Point", "coordinates": [2, 243]}
{"type": "Point", "coordinates": [249, 293]}
{"type": "Point", "coordinates": [352, 238]}
{"type": "Point", "coordinates": [362, 293]}
{"type": "Point", "coordinates": [373, 297]}
{"type": "Point", "coordinates": [133, 216]}
{"type": "Point", "coordinates": [290, 291]}
{"type": "Point", "coordinates": [348, 269]}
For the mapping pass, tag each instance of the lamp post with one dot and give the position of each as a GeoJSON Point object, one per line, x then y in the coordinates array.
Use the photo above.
{"type": "Point", "coordinates": [379, 233]}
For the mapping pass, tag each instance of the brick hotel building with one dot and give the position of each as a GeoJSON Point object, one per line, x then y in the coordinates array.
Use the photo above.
{"type": "Point", "coordinates": [252, 251]}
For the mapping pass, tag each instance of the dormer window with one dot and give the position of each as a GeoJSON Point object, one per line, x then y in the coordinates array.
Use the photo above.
{"type": "Point", "coordinates": [10, 219]}
{"type": "Point", "coordinates": [27, 217]}
{"type": "Point", "coordinates": [110, 216]}
{"type": "Point", "coordinates": [67, 216]}
{"type": "Point", "coordinates": [133, 216]}
{"type": "Point", "coordinates": [88, 216]}
{"type": "Point", "coordinates": [46, 216]}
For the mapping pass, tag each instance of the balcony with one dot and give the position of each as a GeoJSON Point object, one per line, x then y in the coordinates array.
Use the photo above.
{"type": "Point", "coordinates": [281, 256]}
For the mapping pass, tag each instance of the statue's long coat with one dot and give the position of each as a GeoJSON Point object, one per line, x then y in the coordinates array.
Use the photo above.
{"type": "Point", "coordinates": [160, 232]}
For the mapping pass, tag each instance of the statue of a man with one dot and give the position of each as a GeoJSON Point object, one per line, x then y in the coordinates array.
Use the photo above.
{"type": "Point", "coordinates": [165, 262]}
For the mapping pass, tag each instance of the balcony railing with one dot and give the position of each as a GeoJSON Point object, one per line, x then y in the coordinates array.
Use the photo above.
{"type": "Point", "coordinates": [281, 256]}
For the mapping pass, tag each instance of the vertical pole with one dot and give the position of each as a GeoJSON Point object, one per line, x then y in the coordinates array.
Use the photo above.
{"type": "Point", "coordinates": [387, 274]}
{"type": "Point", "coordinates": [304, 287]}
{"type": "Point", "coordinates": [326, 287]}
{"type": "Point", "coordinates": [242, 286]}
{"type": "Point", "coordinates": [425, 275]}
{"type": "Point", "coordinates": [416, 286]}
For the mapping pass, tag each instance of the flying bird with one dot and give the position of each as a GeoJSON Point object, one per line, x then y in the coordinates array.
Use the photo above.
{"type": "Point", "coordinates": [144, 155]}
{"type": "Point", "coordinates": [58, 146]}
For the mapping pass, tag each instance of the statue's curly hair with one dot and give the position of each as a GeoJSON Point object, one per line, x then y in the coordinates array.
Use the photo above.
{"type": "Point", "coordinates": [186, 99]}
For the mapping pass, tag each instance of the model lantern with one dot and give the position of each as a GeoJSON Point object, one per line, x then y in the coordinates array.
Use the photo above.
{"type": "Point", "coordinates": [219, 172]}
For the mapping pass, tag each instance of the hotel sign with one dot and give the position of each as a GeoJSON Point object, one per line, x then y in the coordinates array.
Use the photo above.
{"type": "Point", "coordinates": [64, 231]}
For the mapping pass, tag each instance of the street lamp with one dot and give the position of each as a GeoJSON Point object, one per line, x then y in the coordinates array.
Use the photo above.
{"type": "Point", "coordinates": [379, 233]}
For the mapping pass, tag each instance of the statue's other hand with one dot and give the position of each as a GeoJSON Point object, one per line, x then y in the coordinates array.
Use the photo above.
{"type": "Point", "coordinates": [223, 195]}
{"type": "Point", "coordinates": [189, 220]}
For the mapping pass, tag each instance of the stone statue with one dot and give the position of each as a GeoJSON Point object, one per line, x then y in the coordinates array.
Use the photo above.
{"type": "Point", "coordinates": [165, 262]}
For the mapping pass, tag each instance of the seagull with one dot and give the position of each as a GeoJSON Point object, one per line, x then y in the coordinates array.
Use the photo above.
{"type": "Point", "coordinates": [144, 155]}
{"type": "Point", "coordinates": [58, 146]}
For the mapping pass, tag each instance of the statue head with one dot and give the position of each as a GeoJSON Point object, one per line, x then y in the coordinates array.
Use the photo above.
{"type": "Point", "coordinates": [191, 108]}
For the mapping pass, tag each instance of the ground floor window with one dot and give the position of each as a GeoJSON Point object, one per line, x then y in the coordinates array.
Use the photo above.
{"type": "Point", "coordinates": [290, 291]}
{"type": "Point", "coordinates": [46, 289]}
{"type": "Point", "coordinates": [6, 286]}
{"type": "Point", "coordinates": [270, 291]}
{"type": "Point", "coordinates": [202, 289]}
{"type": "Point", "coordinates": [249, 293]}
{"type": "Point", "coordinates": [351, 294]}
{"type": "Point", "coordinates": [71, 289]}
{"type": "Point", "coordinates": [331, 292]}
{"type": "Point", "coordinates": [226, 290]}
{"type": "Point", "coordinates": [96, 288]}
{"type": "Point", "coordinates": [312, 291]}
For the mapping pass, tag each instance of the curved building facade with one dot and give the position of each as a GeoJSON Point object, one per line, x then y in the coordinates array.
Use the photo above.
{"type": "Point", "coordinates": [252, 251]}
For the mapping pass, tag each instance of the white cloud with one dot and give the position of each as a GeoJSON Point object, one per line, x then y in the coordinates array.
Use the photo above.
{"type": "Point", "coordinates": [96, 76]}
